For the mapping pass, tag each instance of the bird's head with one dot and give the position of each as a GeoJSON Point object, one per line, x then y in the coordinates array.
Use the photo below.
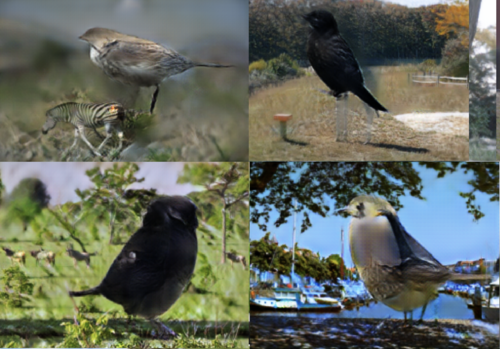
{"type": "Point", "coordinates": [99, 37]}
{"type": "Point", "coordinates": [368, 206]}
{"type": "Point", "coordinates": [169, 209]}
{"type": "Point", "coordinates": [322, 21]}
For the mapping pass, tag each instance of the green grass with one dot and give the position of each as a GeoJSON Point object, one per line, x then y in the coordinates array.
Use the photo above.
{"type": "Point", "coordinates": [224, 303]}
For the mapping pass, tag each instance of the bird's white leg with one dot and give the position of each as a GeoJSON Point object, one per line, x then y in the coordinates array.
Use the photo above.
{"type": "Point", "coordinates": [119, 132]}
{"type": "Point", "coordinates": [109, 134]}
{"type": "Point", "coordinates": [75, 141]}
{"type": "Point", "coordinates": [369, 121]}
{"type": "Point", "coordinates": [341, 112]}
{"type": "Point", "coordinates": [82, 136]}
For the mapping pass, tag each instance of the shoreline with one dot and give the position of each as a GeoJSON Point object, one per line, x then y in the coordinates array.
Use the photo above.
{"type": "Point", "coordinates": [302, 332]}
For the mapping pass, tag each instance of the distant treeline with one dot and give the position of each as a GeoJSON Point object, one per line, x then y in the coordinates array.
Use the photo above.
{"type": "Point", "coordinates": [375, 31]}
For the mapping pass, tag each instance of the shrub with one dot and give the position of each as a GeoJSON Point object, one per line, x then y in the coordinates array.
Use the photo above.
{"type": "Point", "coordinates": [17, 288]}
{"type": "Point", "coordinates": [283, 66]}
{"type": "Point", "coordinates": [258, 65]}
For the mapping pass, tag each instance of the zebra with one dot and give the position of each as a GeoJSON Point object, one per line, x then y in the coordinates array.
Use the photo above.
{"type": "Point", "coordinates": [81, 115]}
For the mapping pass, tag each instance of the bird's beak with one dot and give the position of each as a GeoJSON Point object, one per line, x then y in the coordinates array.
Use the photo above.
{"type": "Point", "coordinates": [306, 17]}
{"type": "Point", "coordinates": [342, 209]}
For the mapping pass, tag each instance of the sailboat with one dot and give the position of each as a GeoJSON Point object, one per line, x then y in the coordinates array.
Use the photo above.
{"type": "Point", "coordinates": [294, 299]}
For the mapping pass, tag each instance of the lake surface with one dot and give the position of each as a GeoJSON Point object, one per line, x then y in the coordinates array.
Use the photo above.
{"type": "Point", "coordinates": [444, 307]}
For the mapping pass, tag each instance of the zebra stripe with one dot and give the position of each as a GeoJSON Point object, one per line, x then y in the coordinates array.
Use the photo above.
{"type": "Point", "coordinates": [88, 114]}
{"type": "Point", "coordinates": [81, 115]}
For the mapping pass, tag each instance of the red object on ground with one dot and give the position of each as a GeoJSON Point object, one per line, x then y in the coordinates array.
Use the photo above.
{"type": "Point", "coordinates": [282, 117]}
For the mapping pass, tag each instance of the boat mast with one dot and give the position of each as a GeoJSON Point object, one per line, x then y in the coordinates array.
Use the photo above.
{"type": "Point", "coordinates": [293, 239]}
{"type": "Point", "coordinates": [342, 253]}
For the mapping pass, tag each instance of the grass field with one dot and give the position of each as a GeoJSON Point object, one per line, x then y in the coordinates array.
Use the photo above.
{"type": "Point", "coordinates": [222, 310]}
{"type": "Point", "coordinates": [314, 122]}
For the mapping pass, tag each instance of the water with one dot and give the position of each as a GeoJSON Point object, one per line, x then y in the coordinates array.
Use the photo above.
{"type": "Point", "coordinates": [444, 307]}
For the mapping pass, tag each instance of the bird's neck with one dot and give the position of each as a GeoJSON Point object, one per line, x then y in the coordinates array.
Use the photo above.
{"type": "Point", "coordinates": [94, 55]}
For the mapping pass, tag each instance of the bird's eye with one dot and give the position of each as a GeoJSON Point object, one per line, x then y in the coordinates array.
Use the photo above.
{"type": "Point", "coordinates": [131, 255]}
{"type": "Point", "coordinates": [360, 207]}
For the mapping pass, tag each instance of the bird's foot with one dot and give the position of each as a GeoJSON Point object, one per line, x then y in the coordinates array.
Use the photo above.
{"type": "Point", "coordinates": [164, 332]}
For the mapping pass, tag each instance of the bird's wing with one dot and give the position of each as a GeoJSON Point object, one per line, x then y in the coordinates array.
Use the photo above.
{"type": "Point", "coordinates": [417, 262]}
{"type": "Point", "coordinates": [408, 246]}
{"type": "Point", "coordinates": [334, 62]}
{"type": "Point", "coordinates": [139, 268]}
{"type": "Point", "coordinates": [136, 58]}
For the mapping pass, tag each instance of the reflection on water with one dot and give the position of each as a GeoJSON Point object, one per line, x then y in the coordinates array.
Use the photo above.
{"type": "Point", "coordinates": [444, 307]}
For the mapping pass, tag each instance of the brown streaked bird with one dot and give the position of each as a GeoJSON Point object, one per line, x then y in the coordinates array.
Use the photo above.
{"type": "Point", "coordinates": [135, 61]}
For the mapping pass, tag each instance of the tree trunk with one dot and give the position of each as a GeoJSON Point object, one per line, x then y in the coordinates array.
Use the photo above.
{"type": "Point", "coordinates": [474, 7]}
{"type": "Point", "coordinates": [112, 228]}
{"type": "Point", "coordinates": [224, 233]}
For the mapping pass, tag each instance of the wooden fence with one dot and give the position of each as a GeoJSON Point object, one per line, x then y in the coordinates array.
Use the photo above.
{"type": "Point", "coordinates": [416, 78]}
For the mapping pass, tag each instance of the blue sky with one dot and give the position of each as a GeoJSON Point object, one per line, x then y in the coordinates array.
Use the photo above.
{"type": "Point", "coordinates": [441, 223]}
{"type": "Point", "coordinates": [416, 3]}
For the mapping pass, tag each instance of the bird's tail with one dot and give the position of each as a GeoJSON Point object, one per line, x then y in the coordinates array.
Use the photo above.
{"type": "Point", "coordinates": [365, 95]}
{"type": "Point", "coordinates": [212, 65]}
{"type": "Point", "coordinates": [91, 291]}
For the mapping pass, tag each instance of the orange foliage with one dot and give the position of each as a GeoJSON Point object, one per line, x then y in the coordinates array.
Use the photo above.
{"type": "Point", "coordinates": [454, 20]}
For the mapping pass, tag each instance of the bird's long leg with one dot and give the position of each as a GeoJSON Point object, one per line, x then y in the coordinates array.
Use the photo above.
{"type": "Point", "coordinates": [82, 136]}
{"type": "Point", "coordinates": [405, 316]}
{"type": "Point", "coordinates": [423, 312]}
{"type": "Point", "coordinates": [341, 112]}
{"type": "Point", "coordinates": [155, 95]}
{"type": "Point", "coordinates": [369, 121]}
{"type": "Point", "coordinates": [164, 332]}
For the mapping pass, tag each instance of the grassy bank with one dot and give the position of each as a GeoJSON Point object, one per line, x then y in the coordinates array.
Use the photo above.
{"type": "Point", "coordinates": [314, 121]}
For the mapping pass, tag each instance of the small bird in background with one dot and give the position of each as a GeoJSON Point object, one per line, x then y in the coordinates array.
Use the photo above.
{"type": "Point", "coordinates": [135, 61]}
{"type": "Point", "coordinates": [156, 264]}
{"type": "Point", "coordinates": [395, 268]}
{"type": "Point", "coordinates": [334, 62]}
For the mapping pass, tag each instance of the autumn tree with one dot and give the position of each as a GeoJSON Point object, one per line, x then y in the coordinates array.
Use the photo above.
{"type": "Point", "coordinates": [453, 23]}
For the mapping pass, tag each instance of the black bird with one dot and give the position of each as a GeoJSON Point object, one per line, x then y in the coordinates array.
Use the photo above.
{"type": "Point", "coordinates": [333, 60]}
{"type": "Point", "coordinates": [155, 265]}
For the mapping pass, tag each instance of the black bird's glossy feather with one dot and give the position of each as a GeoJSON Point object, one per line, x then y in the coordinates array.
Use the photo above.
{"type": "Point", "coordinates": [157, 262]}
{"type": "Point", "coordinates": [333, 60]}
